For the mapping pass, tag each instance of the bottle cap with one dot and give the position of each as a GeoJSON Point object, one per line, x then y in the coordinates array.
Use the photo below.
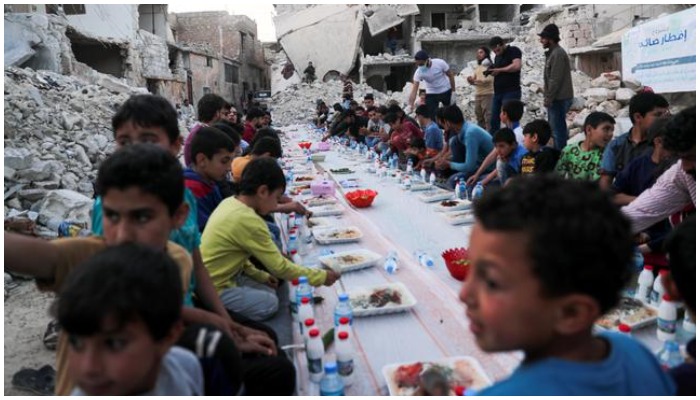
{"type": "Point", "coordinates": [331, 368]}
{"type": "Point", "coordinates": [666, 297]}
{"type": "Point", "coordinates": [344, 320]}
{"type": "Point", "coordinates": [343, 335]}
{"type": "Point", "coordinates": [295, 281]}
{"type": "Point", "coordinates": [343, 297]}
{"type": "Point", "coordinates": [293, 252]}
{"type": "Point", "coordinates": [649, 267]}
{"type": "Point", "coordinates": [314, 332]}
{"type": "Point", "coordinates": [624, 328]}
{"type": "Point", "coordinates": [305, 300]}
{"type": "Point", "coordinates": [459, 390]}
{"type": "Point", "coordinates": [309, 322]}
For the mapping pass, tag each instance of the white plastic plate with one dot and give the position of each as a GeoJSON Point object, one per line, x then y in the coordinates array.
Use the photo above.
{"type": "Point", "coordinates": [325, 235]}
{"type": "Point", "coordinates": [333, 261]}
{"type": "Point", "coordinates": [461, 205]}
{"type": "Point", "coordinates": [459, 217]}
{"type": "Point", "coordinates": [419, 187]}
{"type": "Point", "coordinates": [326, 211]}
{"type": "Point", "coordinates": [434, 195]}
{"type": "Point", "coordinates": [297, 182]}
{"type": "Point", "coordinates": [408, 301]}
{"type": "Point", "coordinates": [466, 369]}
{"type": "Point", "coordinates": [318, 201]}
{"type": "Point", "coordinates": [639, 320]}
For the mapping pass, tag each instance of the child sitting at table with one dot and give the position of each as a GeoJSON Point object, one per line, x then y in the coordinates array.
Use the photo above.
{"type": "Point", "coordinates": [582, 160]}
{"type": "Point", "coordinates": [510, 154]}
{"type": "Point", "coordinates": [540, 157]}
{"type": "Point", "coordinates": [680, 284]}
{"type": "Point", "coordinates": [549, 257]}
{"type": "Point", "coordinates": [416, 153]}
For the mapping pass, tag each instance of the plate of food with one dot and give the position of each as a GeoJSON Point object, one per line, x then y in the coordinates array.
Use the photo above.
{"type": "Point", "coordinates": [318, 157]}
{"type": "Point", "coordinates": [327, 210]}
{"type": "Point", "coordinates": [303, 180]}
{"type": "Point", "coordinates": [420, 186]}
{"type": "Point", "coordinates": [459, 217]}
{"type": "Point", "coordinates": [434, 195]}
{"type": "Point", "coordinates": [453, 205]}
{"type": "Point", "coordinates": [342, 171]}
{"type": "Point", "coordinates": [350, 260]}
{"type": "Point", "coordinates": [435, 378]}
{"type": "Point", "coordinates": [334, 235]}
{"type": "Point", "coordinates": [382, 299]}
{"type": "Point", "coordinates": [300, 189]}
{"type": "Point", "coordinates": [318, 201]}
{"type": "Point", "coordinates": [629, 311]}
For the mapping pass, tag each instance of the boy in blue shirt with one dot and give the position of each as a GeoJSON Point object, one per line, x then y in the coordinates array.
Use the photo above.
{"type": "Point", "coordinates": [510, 154]}
{"type": "Point", "coordinates": [432, 133]}
{"type": "Point", "coordinates": [549, 257]}
{"type": "Point", "coordinates": [212, 152]}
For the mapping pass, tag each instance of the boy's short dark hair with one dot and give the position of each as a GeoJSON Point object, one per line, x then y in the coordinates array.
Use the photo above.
{"type": "Point", "coordinates": [337, 107]}
{"type": "Point", "coordinates": [209, 141]}
{"type": "Point", "coordinates": [396, 109]}
{"type": "Point", "coordinates": [267, 145]}
{"type": "Point", "coordinates": [514, 109]}
{"type": "Point", "coordinates": [679, 135]}
{"type": "Point", "coordinates": [680, 246]}
{"type": "Point", "coordinates": [440, 113]}
{"type": "Point", "coordinates": [578, 241]}
{"type": "Point", "coordinates": [383, 110]}
{"type": "Point", "coordinates": [541, 128]}
{"type": "Point", "coordinates": [127, 282]}
{"type": "Point", "coordinates": [254, 113]}
{"type": "Point", "coordinates": [504, 135]}
{"type": "Point", "coordinates": [645, 102]}
{"type": "Point", "coordinates": [495, 41]}
{"type": "Point", "coordinates": [148, 111]}
{"type": "Point", "coordinates": [369, 96]}
{"type": "Point", "coordinates": [208, 106]}
{"type": "Point", "coordinates": [371, 109]}
{"type": "Point", "coordinates": [453, 115]}
{"type": "Point", "coordinates": [391, 117]}
{"type": "Point", "coordinates": [596, 118]}
{"type": "Point", "coordinates": [150, 168]}
{"type": "Point", "coordinates": [418, 143]}
{"type": "Point", "coordinates": [231, 130]}
{"type": "Point", "coordinates": [261, 171]}
{"type": "Point", "coordinates": [423, 111]}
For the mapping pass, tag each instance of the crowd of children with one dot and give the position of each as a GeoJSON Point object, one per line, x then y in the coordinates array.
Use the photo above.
{"type": "Point", "coordinates": [183, 256]}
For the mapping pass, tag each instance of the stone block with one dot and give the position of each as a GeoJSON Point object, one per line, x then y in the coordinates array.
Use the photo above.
{"type": "Point", "coordinates": [65, 204]}
{"type": "Point", "coordinates": [624, 95]}
{"type": "Point", "coordinates": [18, 159]}
{"type": "Point", "coordinates": [596, 94]}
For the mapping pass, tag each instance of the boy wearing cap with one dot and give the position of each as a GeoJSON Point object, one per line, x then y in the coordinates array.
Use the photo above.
{"type": "Point", "coordinates": [439, 82]}
{"type": "Point", "coordinates": [558, 88]}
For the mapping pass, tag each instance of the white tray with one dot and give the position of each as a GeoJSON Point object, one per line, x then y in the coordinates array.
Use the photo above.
{"type": "Point", "coordinates": [408, 301]}
{"type": "Point", "coordinates": [318, 201]}
{"type": "Point", "coordinates": [295, 182]}
{"type": "Point", "coordinates": [370, 259]}
{"type": "Point", "coordinates": [466, 367]}
{"type": "Point", "coordinates": [419, 187]}
{"type": "Point", "coordinates": [327, 210]}
{"type": "Point", "coordinates": [459, 217]}
{"type": "Point", "coordinates": [435, 195]}
{"type": "Point", "coordinates": [318, 222]}
{"type": "Point", "coordinates": [318, 157]}
{"type": "Point", "coordinates": [461, 205]}
{"type": "Point", "coordinates": [625, 319]}
{"type": "Point", "coordinates": [297, 190]}
{"type": "Point", "coordinates": [322, 234]}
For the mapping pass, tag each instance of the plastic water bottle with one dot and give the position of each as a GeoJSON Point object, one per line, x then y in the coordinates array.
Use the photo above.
{"type": "Point", "coordinates": [457, 191]}
{"type": "Point", "coordinates": [305, 312]}
{"type": "Point", "coordinates": [477, 191]}
{"type": "Point", "coordinates": [314, 356]}
{"type": "Point", "coordinates": [433, 178]}
{"type": "Point", "coordinates": [409, 166]}
{"type": "Point", "coordinates": [304, 290]}
{"type": "Point", "coordinates": [407, 182]}
{"type": "Point", "coordinates": [391, 262]}
{"type": "Point", "coordinates": [296, 258]}
{"type": "Point", "coordinates": [624, 329]}
{"type": "Point", "coordinates": [424, 259]}
{"type": "Point", "coordinates": [645, 283]}
{"type": "Point", "coordinates": [308, 158]}
{"type": "Point", "coordinates": [657, 289]}
{"type": "Point", "coordinates": [688, 324]}
{"type": "Point", "coordinates": [670, 356]}
{"type": "Point", "coordinates": [293, 299]}
{"type": "Point", "coordinates": [342, 309]}
{"type": "Point", "coordinates": [395, 162]}
{"type": "Point", "coordinates": [666, 321]}
{"type": "Point", "coordinates": [423, 174]}
{"type": "Point", "coordinates": [462, 189]}
{"type": "Point", "coordinates": [344, 357]}
{"type": "Point", "coordinates": [638, 259]}
{"type": "Point", "coordinates": [332, 384]}
{"type": "Point", "coordinates": [291, 222]}
{"type": "Point", "coordinates": [293, 245]}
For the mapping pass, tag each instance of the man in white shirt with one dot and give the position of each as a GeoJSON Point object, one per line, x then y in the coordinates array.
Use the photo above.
{"type": "Point", "coordinates": [439, 82]}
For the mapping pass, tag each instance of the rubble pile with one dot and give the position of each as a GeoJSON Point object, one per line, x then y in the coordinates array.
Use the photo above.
{"type": "Point", "coordinates": [490, 29]}
{"type": "Point", "coordinates": [57, 132]}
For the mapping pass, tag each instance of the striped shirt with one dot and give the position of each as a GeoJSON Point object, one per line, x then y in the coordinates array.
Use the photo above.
{"type": "Point", "coordinates": [672, 192]}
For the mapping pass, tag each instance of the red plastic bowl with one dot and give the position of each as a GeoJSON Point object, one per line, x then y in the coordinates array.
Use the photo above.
{"type": "Point", "coordinates": [361, 198]}
{"type": "Point", "coordinates": [305, 145]}
{"type": "Point", "coordinates": [454, 259]}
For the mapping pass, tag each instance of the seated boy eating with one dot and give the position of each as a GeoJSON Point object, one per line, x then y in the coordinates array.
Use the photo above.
{"type": "Point", "coordinates": [510, 154]}
{"type": "Point", "coordinates": [121, 311]}
{"type": "Point", "coordinates": [549, 257]}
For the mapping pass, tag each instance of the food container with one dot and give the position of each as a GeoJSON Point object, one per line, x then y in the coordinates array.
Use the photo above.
{"type": "Point", "coordinates": [434, 195]}
{"type": "Point", "coordinates": [326, 235]}
{"type": "Point", "coordinates": [321, 146]}
{"type": "Point", "coordinates": [350, 260]}
{"type": "Point", "coordinates": [453, 205]}
{"type": "Point", "coordinates": [359, 300]}
{"type": "Point", "coordinates": [629, 311]}
{"type": "Point", "coordinates": [322, 188]}
{"type": "Point", "coordinates": [459, 217]}
{"type": "Point", "coordinates": [462, 371]}
{"type": "Point", "coordinates": [361, 198]}
{"type": "Point", "coordinates": [457, 262]}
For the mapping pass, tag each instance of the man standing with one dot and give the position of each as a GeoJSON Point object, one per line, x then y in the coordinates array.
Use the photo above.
{"type": "Point", "coordinates": [558, 88]}
{"type": "Point", "coordinates": [439, 82]}
{"type": "Point", "coordinates": [506, 81]}
{"type": "Point", "coordinates": [310, 73]}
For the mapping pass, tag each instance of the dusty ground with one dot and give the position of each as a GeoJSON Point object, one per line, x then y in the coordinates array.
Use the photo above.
{"type": "Point", "coordinates": [26, 317]}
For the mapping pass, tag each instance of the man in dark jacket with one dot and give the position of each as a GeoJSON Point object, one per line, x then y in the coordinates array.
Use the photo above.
{"type": "Point", "coordinates": [558, 88]}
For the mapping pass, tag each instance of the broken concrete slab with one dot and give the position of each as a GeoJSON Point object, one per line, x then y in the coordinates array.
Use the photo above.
{"type": "Point", "coordinates": [65, 205]}
{"type": "Point", "coordinates": [336, 50]}
{"type": "Point", "coordinates": [20, 41]}
{"type": "Point", "coordinates": [380, 17]}
{"type": "Point", "coordinates": [18, 159]}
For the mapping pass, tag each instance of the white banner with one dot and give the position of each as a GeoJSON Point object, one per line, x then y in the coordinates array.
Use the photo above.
{"type": "Point", "coordinates": [661, 53]}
